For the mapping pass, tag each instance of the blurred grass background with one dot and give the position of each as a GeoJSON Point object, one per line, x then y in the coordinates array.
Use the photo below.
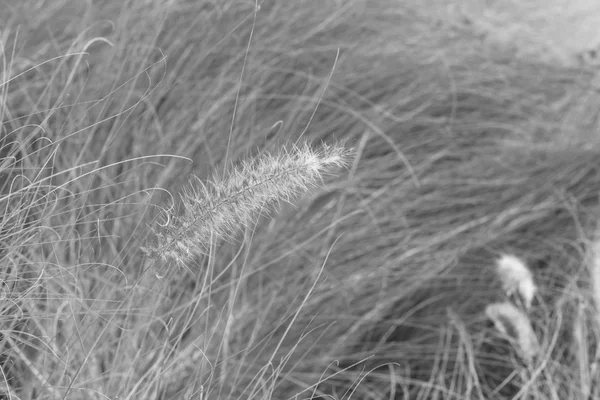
{"type": "Point", "coordinates": [475, 134]}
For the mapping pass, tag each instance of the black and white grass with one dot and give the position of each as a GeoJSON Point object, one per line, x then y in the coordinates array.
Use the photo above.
{"type": "Point", "coordinates": [228, 204]}
{"type": "Point", "coordinates": [375, 288]}
{"type": "Point", "coordinates": [517, 280]}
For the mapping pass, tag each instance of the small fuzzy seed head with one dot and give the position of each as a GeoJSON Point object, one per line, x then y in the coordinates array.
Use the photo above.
{"type": "Point", "coordinates": [516, 278]}
{"type": "Point", "coordinates": [516, 326]}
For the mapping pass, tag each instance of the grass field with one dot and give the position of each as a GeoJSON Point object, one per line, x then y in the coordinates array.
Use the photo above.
{"type": "Point", "coordinates": [371, 283]}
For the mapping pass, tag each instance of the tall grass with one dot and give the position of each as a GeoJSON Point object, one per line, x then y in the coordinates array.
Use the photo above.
{"type": "Point", "coordinates": [374, 287]}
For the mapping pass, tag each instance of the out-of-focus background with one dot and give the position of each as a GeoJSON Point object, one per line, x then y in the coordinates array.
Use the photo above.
{"type": "Point", "coordinates": [552, 31]}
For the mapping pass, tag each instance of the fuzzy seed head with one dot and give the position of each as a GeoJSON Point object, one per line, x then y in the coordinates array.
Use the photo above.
{"type": "Point", "coordinates": [227, 204]}
{"type": "Point", "coordinates": [516, 326]}
{"type": "Point", "coordinates": [516, 278]}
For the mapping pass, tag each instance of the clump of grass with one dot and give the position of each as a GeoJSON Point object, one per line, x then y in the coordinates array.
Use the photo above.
{"type": "Point", "coordinates": [229, 203]}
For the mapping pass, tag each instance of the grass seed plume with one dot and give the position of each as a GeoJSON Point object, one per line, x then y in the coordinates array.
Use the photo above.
{"type": "Point", "coordinates": [218, 210]}
{"type": "Point", "coordinates": [516, 326]}
{"type": "Point", "coordinates": [516, 279]}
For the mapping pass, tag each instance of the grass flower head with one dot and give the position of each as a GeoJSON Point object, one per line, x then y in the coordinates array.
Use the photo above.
{"type": "Point", "coordinates": [516, 279]}
{"type": "Point", "coordinates": [228, 203]}
{"type": "Point", "coordinates": [516, 326]}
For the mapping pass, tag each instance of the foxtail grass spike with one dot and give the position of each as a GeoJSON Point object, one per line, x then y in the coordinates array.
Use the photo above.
{"type": "Point", "coordinates": [516, 279]}
{"type": "Point", "coordinates": [227, 204]}
{"type": "Point", "coordinates": [516, 326]}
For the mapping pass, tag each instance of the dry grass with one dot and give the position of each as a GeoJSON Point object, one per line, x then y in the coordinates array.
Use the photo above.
{"type": "Point", "coordinates": [373, 288]}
